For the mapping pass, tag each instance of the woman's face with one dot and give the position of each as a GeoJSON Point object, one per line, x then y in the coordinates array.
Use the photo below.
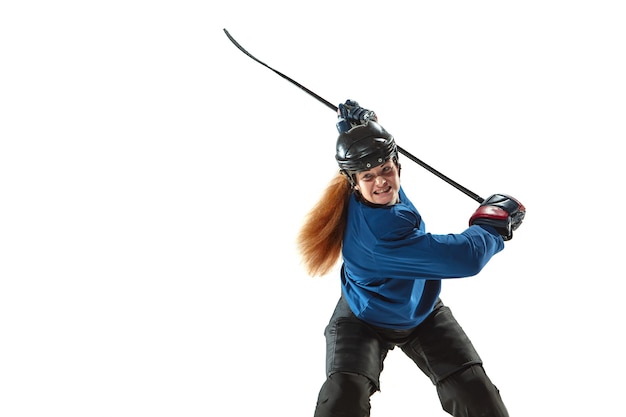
{"type": "Point", "coordinates": [380, 185]}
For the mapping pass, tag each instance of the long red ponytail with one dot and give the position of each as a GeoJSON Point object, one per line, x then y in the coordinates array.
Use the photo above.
{"type": "Point", "coordinates": [321, 236]}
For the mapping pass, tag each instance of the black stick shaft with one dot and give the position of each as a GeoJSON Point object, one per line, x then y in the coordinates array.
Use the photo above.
{"type": "Point", "coordinates": [453, 183]}
{"type": "Point", "coordinates": [297, 84]}
{"type": "Point", "coordinates": [424, 165]}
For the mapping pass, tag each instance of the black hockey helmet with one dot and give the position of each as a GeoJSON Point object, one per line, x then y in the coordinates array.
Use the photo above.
{"type": "Point", "coordinates": [364, 147]}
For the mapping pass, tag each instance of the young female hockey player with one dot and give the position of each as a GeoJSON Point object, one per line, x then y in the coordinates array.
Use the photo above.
{"type": "Point", "coordinates": [391, 277]}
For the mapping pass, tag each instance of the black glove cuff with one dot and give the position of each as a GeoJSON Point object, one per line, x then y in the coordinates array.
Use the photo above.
{"type": "Point", "coordinates": [502, 227]}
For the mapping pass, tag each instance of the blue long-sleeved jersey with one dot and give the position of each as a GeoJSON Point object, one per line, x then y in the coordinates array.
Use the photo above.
{"type": "Point", "coordinates": [392, 268]}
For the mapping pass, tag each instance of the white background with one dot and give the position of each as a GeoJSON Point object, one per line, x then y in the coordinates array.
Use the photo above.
{"type": "Point", "coordinates": [153, 179]}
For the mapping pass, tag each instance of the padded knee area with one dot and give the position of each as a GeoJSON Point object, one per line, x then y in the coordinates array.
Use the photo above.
{"type": "Point", "coordinates": [470, 393]}
{"type": "Point", "coordinates": [345, 395]}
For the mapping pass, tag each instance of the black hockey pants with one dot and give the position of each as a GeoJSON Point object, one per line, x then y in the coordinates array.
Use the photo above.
{"type": "Point", "coordinates": [439, 347]}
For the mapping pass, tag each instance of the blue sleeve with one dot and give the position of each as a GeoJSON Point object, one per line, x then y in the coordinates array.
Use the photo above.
{"type": "Point", "coordinates": [411, 253]}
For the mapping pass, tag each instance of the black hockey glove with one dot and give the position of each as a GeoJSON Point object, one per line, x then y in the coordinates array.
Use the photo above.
{"type": "Point", "coordinates": [350, 114]}
{"type": "Point", "coordinates": [502, 212]}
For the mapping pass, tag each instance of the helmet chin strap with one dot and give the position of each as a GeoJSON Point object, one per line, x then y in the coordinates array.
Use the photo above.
{"type": "Point", "coordinates": [350, 178]}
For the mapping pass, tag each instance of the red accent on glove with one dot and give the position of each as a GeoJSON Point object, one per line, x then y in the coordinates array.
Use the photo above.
{"type": "Point", "coordinates": [489, 212]}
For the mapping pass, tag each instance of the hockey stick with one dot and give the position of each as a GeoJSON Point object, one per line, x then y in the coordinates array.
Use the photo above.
{"type": "Point", "coordinates": [424, 165]}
